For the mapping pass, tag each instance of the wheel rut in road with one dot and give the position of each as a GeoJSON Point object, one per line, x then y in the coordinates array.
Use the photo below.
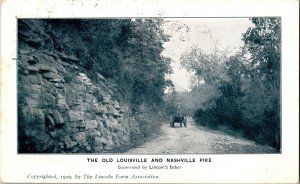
{"type": "Point", "coordinates": [197, 140]}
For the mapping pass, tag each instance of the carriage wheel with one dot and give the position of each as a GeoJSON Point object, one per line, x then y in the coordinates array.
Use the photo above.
{"type": "Point", "coordinates": [172, 124]}
{"type": "Point", "coordinates": [185, 122]}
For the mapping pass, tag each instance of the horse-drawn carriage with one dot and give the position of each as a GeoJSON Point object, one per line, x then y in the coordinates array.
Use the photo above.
{"type": "Point", "coordinates": [178, 117]}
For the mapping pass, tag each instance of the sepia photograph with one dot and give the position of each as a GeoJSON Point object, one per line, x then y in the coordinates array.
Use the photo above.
{"type": "Point", "coordinates": [149, 85]}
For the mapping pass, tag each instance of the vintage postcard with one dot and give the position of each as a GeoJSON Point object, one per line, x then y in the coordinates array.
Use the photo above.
{"type": "Point", "coordinates": [149, 92]}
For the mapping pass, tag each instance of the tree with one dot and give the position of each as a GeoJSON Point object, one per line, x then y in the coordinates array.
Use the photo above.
{"type": "Point", "coordinates": [263, 44]}
{"type": "Point", "coordinates": [242, 91]}
{"type": "Point", "coordinates": [147, 66]}
{"type": "Point", "coordinates": [208, 67]}
{"type": "Point", "coordinates": [210, 72]}
{"type": "Point", "coordinates": [128, 51]}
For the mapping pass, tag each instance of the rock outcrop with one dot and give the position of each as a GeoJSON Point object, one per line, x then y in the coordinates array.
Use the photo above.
{"type": "Point", "coordinates": [60, 108]}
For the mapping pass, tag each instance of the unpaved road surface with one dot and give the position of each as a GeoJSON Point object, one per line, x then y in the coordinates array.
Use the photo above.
{"type": "Point", "coordinates": [196, 140]}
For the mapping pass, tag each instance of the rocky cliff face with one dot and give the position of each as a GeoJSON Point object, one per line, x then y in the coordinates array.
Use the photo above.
{"type": "Point", "coordinates": [61, 109]}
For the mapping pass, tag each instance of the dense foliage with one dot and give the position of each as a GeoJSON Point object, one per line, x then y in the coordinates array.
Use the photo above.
{"type": "Point", "coordinates": [241, 92]}
{"type": "Point", "coordinates": [127, 51]}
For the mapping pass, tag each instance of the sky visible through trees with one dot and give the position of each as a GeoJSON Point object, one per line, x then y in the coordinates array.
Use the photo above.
{"type": "Point", "coordinates": [205, 33]}
{"type": "Point", "coordinates": [233, 74]}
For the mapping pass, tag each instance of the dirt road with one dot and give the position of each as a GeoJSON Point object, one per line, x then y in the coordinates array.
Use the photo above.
{"type": "Point", "coordinates": [196, 140]}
